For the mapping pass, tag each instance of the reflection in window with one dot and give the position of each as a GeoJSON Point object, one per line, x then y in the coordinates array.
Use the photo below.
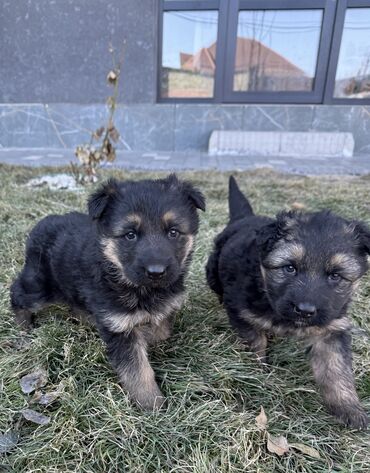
{"type": "Point", "coordinates": [353, 72]}
{"type": "Point", "coordinates": [277, 50]}
{"type": "Point", "coordinates": [189, 53]}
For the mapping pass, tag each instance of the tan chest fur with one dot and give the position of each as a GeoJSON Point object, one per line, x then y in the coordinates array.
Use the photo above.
{"type": "Point", "coordinates": [125, 321]}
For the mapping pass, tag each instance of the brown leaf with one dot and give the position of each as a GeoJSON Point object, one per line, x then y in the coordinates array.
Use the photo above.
{"type": "Point", "coordinates": [310, 451]}
{"type": "Point", "coordinates": [111, 156]}
{"type": "Point", "coordinates": [31, 382]}
{"type": "Point", "coordinates": [278, 445]}
{"type": "Point", "coordinates": [113, 133]}
{"type": "Point", "coordinates": [99, 132]}
{"type": "Point", "coordinates": [261, 419]}
{"type": "Point", "coordinates": [46, 398]}
{"type": "Point", "coordinates": [35, 417]}
{"type": "Point", "coordinates": [83, 154]}
{"type": "Point", "coordinates": [112, 77]}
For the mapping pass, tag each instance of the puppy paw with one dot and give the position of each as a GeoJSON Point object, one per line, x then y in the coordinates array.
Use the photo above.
{"type": "Point", "coordinates": [151, 401]}
{"type": "Point", "coordinates": [352, 416]}
{"type": "Point", "coordinates": [24, 319]}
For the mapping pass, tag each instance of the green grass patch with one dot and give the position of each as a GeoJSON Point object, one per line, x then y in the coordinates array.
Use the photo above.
{"type": "Point", "coordinates": [215, 388]}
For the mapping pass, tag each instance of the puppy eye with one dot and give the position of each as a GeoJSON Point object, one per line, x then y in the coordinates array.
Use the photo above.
{"type": "Point", "coordinates": [173, 233]}
{"type": "Point", "coordinates": [334, 276]}
{"type": "Point", "coordinates": [131, 236]}
{"type": "Point", "coordinates": [290, 269]}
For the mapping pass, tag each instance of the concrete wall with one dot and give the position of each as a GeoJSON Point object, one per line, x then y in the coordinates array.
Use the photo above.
{"type": "Point", "coordinates": [53, 65]}
{"type": "Point", "coordinates": [56, 51]}
{"type": "Point", "coordinates": [172, 127]}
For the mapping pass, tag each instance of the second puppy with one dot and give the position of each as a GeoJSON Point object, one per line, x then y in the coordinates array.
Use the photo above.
{"type": "Point", "coordinates": [124, 264]}
{"type": "Point", "coordinates": [294, 276]}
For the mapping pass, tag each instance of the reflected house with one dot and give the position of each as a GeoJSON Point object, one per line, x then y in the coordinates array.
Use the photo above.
{"type": "Point", "coordinates": [195, 77]}
{"type": "Point", "coordinates": [257, 67]}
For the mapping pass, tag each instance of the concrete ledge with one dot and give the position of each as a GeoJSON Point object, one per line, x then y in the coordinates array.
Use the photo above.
{"type": "Point", "coordinates": [281, 143]}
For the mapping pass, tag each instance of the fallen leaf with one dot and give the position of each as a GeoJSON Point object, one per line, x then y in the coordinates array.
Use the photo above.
{"type": "Point", "coordinates": [278, 445]}
{"type": "Point", "coordinates": [47, 398]}
{"type": "Point", "coordinates": [261, 419]}
{"type": "Point", "coordinates": [35, 417]}
{"type": "Point", "coordinates": [310, 451]}
{"type": "Point", "coordinates": [8, 441]}
{"type": "Point", "coordinates": [32, 381]}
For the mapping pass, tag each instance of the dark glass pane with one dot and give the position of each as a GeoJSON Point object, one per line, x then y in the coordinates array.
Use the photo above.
{"type": "Point", "coordinates": [189, 53]}
{"type": "Point", "coordinates": [276, 50]}
{"type": "Point", "coordinates": [353, 72]}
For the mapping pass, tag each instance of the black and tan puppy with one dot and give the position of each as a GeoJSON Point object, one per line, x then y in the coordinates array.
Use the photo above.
{"type": "Point", "coordinates": [123, 264]}
{"type": "Point", "coordinates": [294, 276]}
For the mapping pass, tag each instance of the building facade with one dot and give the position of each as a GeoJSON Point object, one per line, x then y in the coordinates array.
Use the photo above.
{"type": "Point", "coordinates": [189, 67]}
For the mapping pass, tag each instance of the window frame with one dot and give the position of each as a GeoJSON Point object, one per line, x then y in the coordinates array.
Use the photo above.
{"type": "Point", "coordinates": [314, 96]}
{"type": "Point", "coordinates": [181, 5]}
{"type": "Point", "coordinates": [327, 59]}
{"type": "Point", "coordinates": [329, 98]}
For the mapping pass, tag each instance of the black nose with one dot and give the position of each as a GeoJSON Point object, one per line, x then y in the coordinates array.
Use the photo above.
{"type": "Point", "coordinates": [305, 309]}
{"type": "Point", "coordinates": [155, 271]}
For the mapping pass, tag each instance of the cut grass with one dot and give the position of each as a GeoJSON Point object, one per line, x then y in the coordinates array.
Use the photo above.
{"type": "Point", "coordinates": [215, 388]}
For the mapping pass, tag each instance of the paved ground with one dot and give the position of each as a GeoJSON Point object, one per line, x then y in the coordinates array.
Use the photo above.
{"type": "Point", "coordinates": [194, 161]}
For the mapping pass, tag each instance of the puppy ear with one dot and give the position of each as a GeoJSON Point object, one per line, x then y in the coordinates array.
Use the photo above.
{"type": "Point", "coordinates": [191, 192]}
{"type": "Point", "coordinates": [266, 237]}
{"type": "Point", "coordinates": [362, 234]}
{"type": "Point", "coordinates": [194, 195]}
{"type": "Point", "coordinates": [269, 234]}
{"type": "Point", "coordinates": [99, 200]}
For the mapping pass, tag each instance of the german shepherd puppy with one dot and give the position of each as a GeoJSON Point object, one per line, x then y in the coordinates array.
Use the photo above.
{"type": "Point", "coordinates": [123, 264]}
{"type": "Point", "coordinates": [294, 276]}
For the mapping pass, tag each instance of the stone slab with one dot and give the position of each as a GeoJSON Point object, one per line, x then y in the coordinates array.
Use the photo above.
{"type": "Point", "coordinates": [281, 143]}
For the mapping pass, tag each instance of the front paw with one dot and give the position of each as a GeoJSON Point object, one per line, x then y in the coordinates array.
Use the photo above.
{"type": "Point", "coordinates": [352, 416]}
{"type": "Point", "coordinates": [151, 400]}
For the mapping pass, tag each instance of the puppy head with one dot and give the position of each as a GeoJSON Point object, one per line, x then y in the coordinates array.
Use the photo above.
{"type": "Point", "coordinates": [147, 228]}
{"type": "Point", "coordinates": [311, 264]}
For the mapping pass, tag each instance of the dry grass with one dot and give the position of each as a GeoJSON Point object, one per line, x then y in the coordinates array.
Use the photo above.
{"type": "Point", "coordinates": [215, 389]}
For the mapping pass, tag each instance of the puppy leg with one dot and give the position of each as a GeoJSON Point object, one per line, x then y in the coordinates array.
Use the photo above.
{"type": "Point", "coordinates": [155, 333]}
{"type": "Point", "coordinates": [127, 353]}
{"type": "Point", "coordinates": [256, 340]}
{"type": "Point", "coordinates": [331, 362]}
{"type": "Point", "coordinates": [27, 298]}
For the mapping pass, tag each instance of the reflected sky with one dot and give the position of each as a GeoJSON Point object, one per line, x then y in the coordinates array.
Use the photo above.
{"type": "Point", "coordinates": [354, 56]}
{"type": "Point", "coordinates": [285, 32]}
{"type": "Point", "coordinates": [187, 32]}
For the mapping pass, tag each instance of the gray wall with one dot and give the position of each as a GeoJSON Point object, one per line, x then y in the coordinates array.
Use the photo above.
{"type": "Point", "coordinates": [172, 127]}
{"type": "Point", "coordinates": [53, 65]}
{"type": "Point", "coordinates": [56, 51]}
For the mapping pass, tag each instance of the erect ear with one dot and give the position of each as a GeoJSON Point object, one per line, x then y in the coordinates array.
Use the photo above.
{"type": "Point", "coordinates": [362, 234]}
{"type": "Point", "coordinates": [269, 234]}
{"type": "Point", "coordinates": [99, 200]}
{"type": "Point", "coordinates": [192, 193]}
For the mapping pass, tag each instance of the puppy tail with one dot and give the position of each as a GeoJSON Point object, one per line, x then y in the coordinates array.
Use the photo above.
{"type": "Point", "coordinates": [239, 206]}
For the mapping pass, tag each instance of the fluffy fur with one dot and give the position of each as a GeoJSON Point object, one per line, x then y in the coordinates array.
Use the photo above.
{"type": "Point", "coordinates": [124, 264]}
{"type": "Point", "coordinates": [294, 276]}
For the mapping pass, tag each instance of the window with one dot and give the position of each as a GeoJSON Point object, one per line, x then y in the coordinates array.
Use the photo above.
{"type": "Point", "coordinates": [189, 53]}
{"type": "Point", "coordinates": [352, 79]}
{"type": "Point", "coordinates": [264, 51]}
{"type": "Point", "coordinates": [268, 59]}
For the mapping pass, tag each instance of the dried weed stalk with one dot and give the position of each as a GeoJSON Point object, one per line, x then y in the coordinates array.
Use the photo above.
{"type": "Point", "coordinates": [101, 148]}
